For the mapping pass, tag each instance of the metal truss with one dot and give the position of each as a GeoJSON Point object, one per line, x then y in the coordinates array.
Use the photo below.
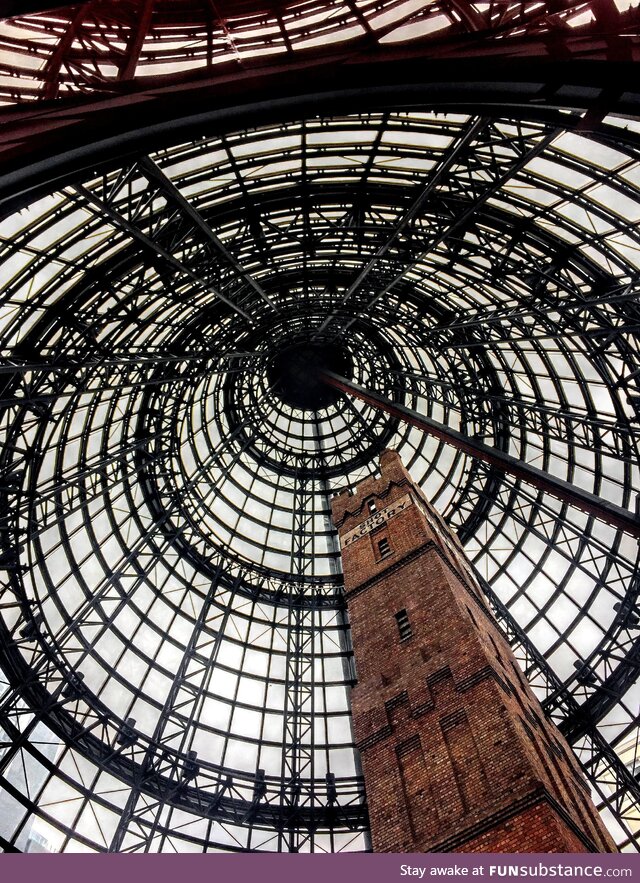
{"type": "Point", "coordinates": [163, 771]}
{"type": "Point", "coordinates": [454, 192]}
{"type": "Point", "coordinates": [616, 787]}
{"type": "Point", "coordinates": [96, 47]}
{"type": "Point", "coordinates": [562, 490]}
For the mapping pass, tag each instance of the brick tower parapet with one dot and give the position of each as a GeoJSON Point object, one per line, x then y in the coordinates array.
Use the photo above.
{"type": "Point", "coordinates": [456, 752]}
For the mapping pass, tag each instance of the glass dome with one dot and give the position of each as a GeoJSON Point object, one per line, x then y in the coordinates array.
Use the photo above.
{"type": "Point", "coordinates": [176, 649]}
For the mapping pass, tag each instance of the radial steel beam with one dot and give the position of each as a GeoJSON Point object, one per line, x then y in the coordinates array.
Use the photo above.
{"type": "Point", "coordinates": [154, 248]}
{"type": "Point", "coordinates": [173, 194]}
{"type": "Point", "coordinates": [607, 436]}
{"type": "Point", "coordinates": [412, 212]}
{"type": "Point", "coordinates": [445, 186]}
{"type": "Point", "coordinates": [120, 360]}
{"type": "Point", "coordinates": [544, 481]}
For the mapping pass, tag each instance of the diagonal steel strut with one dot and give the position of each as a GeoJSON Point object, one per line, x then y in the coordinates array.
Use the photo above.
{"type": "Point", "coordinates": [544, 481]}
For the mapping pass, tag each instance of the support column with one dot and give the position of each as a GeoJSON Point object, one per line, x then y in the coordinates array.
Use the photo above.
{"type": "Point", "coordinates": [456, 752]}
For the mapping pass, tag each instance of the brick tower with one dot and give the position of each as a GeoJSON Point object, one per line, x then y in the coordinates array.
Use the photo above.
{"type": "Point", "coordinates": [456, 752]}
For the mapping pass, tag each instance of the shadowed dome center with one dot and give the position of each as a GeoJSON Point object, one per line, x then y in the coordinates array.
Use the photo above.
{"type": "Point", "coordinates": [295, 374]}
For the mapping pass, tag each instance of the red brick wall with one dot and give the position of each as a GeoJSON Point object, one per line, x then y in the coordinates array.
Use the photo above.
{"type": "Point", "coordinates": [456, 752]}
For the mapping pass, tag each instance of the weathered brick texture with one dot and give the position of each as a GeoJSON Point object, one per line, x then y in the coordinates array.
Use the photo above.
{"type": "Point", "coordinates": [456, 752]}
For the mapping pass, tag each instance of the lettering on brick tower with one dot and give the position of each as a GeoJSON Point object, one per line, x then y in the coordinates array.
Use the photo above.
{"type": "Point", "coordinates": [456, 752]}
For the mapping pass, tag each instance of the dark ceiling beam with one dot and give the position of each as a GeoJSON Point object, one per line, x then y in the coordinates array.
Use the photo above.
{"type": "Point", "coordinates": [131, 360]}
{"type": "Point", "coordinates": [57, 140]}
{"type": "Point", "coordinates": [150, 245]}
{"type": "Point", "coordinates": [15, 8]}
{"type": "Point", "coordinates": [140, 25]}
{"type": "Point", "coordinates": [543, 481]}
{"type": "Point", "coordinates": [58, 58]}
{"type": "Point", "coordinates": [153, 173]}
{"type": "Point", "coordinates": [559, 423]}
{"type": "Point", "coordinates": [572, 304]}
{"type": "Point", "coordinates": [456, 214]}
{"type": "Point", "coordinates": [434, 179]}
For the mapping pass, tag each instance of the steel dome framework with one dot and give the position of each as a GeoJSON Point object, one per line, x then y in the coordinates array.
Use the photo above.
{"type": "Point", "coordinates": [175, 645]}
{"type": "Point", "coordinates": [103, 47]}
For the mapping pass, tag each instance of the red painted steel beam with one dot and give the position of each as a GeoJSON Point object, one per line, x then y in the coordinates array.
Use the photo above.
{"type": "Point", "coordinates": [543, 481]}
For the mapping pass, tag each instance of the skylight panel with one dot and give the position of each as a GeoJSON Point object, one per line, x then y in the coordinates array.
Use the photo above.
{"type": "Point", "coordinates": [590, 152]}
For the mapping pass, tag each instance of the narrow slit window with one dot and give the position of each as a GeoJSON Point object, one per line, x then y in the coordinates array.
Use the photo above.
{"type": "Point", "coordinates": [371, 504]}
{"type": "Point", "coordinates": [404, 626]}
{"type": "Point", "coordinates": [384, 548]}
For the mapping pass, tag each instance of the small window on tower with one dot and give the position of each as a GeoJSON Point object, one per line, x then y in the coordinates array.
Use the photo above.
{"type": "Point", "coordinates": [372, 506]}
{"type": "Point", "coordinates": [404, 626]}
{"type": "Point", "coordinates": [384, 549]}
